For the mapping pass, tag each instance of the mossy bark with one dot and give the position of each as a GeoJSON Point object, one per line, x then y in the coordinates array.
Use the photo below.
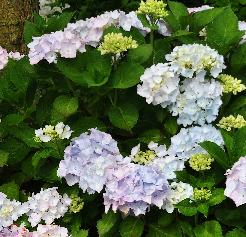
{"type": "Point", "coordinates": [13, 14]}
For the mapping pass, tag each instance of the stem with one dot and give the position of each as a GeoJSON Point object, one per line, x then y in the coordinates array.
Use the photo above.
{"type": "Point", "coordinates": [58, 148]}
{"type": "Point", "coordinates": [152, 44]}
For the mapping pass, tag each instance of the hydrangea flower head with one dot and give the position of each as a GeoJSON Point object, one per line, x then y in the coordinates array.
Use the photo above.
{"type": "Point", "coordinates": [51, 230]}
{"type": "Point", "coordinates": [186, 142]}
{"type": "Point", "coordinates": [200, 162]}
{"type": "Point", "coordinates": [116, 43]}
{"type": "Point", "coordinates": [87, 160]}
{"type": "Point", "coordinates": [236, 182]}
{"type": "Point", "coordinates": [153, 8]}
{"type": "Point", "coordinates": [230, 122]}
{"type": "Point", "coordinates": [198, 102]}
{"type": "Point", "coordinates": [179, 192]}
{"type": "Point", "coordinates": [199, 9]}
{"type": "Point", "coordinates": [160, 85]}
{"type": "Point", "coordinates": [10, 210]}
{"type": "Point", "coordinates": [49, 132]}
{"type": "Point", "coordinates": [132, 188]}
{"type": "Point", "coordinates": [201, 194]}
{"type": "Point", "coordinates": [77, 204]}
{"type": "Point", "coordinates": [190, 59]}
{"type": "Point", "coordinates": [231, 84]}
{"type": "Point", "coordinates": [47, 205]}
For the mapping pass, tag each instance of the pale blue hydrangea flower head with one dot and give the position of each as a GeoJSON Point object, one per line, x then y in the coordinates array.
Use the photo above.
{"type": "Point", "coordinates": [186, 142]}
{"type": "Point", "coordinates": [87, 160]}
{"type": "Point", "coordinates": [133, 188]}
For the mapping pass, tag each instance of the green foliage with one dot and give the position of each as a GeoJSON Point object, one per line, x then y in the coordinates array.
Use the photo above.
{"type": "Point", "coordinates": [208, 229]}
{"type": "Point", "coordinates": [131, 227]}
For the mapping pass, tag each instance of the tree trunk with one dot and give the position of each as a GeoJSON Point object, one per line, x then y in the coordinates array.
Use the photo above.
{"type": "Point", "coordinates": [13, 14]}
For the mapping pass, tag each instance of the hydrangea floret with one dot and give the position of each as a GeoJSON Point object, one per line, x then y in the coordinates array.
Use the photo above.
{"type": "Point", "coordinates": [50, 231]}
{"type": "Point", "coordinates": [230, 122]}
{"type": "Point", "coordinates": [201, 194]}
{"type": "Point", "coordinates": [47, 205]}
{"type": "Point", "coordinates": [190, 59]}
{"type": "Point", "coordinates": [153, 8]}
{"type": "Point", "coordinates": [116, 43]}
{"type": "Point", "coordinates": [231, 84]}
{"type": "Point", "coordinates": [77, 203]}
{"type": "Point", "coordinates": [200, 162]}
{"type": "Point", "coordinates": [87, 160]}
{"type": "Point", "coordinates": [159, 85]}
{"type": "Point", "coordinates": [49, 132]}
{"type": "Point", "coordinates": [15, 231]}
{"type": "Point", "coordinates": [236, 182]}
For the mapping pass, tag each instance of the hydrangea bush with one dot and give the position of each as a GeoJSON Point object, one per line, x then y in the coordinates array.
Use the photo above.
{"type": "Point", "coordinates": [128, 122]}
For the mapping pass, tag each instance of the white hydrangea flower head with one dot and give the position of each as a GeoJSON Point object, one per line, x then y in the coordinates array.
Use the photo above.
{"type": "Point", "coordinates": [198, 102]}
{"type": "Point", "coordinates": [3, 58]}
{"type": "Point", "coordinates": [49, 132]}
{"type": "Point", "coordinates": [190, 59]}
{"type": "Point", "coordinates": [186, 142]}
{"type": "Point", "coordinates": [160, 85]}
{"type": "Point", "coordinates": [179, 192]}
{"type": "Point", "coordinates": [16, 55]}
{"type": "Point", "coordinates": [87, 160]}
{"type": "Point", "coordinates": [198, 9]}
{"type": "Point", "coordinates": [51, 231]}
{"type": "Point", "coordinates": [47, 205]}
{"type": "Point", "coordinates": [10, 210]}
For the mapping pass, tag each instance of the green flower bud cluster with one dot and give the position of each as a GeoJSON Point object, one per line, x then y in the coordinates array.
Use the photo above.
{"type": "Point", "coordinates": [116, 43]}
{"type": "Point", "coordinates": [230, 122]}
{"type": "Point", "coordinates": [231, 84]}
{"type": "Point", "coordinates": [77, 204]}
{"type": "Point", "coordinates": [144, 157]}
{"type": "Point", "coordinates": [201, 194]}
{"type": "Point", "coordinates": [153, 8]}
{"type": "Point", "coordinates": [200, 162]}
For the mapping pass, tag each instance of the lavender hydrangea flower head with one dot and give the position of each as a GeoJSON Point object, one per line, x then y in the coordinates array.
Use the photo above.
{"type": "Point", "coordinates": [186, 142]}
{"type": "Point", "coordinates": [133, 188]}
{"type": "Point", "coordinates": [51, 230]}
{"type": "Point", "coordinates": [198, 102]}
{"type": "Point", "coordinates": [15, 231]}
{"type": "Point", "coordinates": [236, 182]}
{"type": "Point", "coordinates": [87, 160]}
{"type": "Point", "coordinates": [3, 57]}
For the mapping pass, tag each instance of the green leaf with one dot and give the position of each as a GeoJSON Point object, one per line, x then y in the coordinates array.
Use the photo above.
{"type": "Point", "coordinates": [124, 116]}
{"type": "Point", "coordinates": [239, 144]}
{"type": "Point", "coordinates": [203, 208]}
{"type": "Point", "coordinates": [141, 54]}
{"type": "Point", "coordinates": [200, 19]}
{"type": "Point", "coordinates": [4, 156]}
{"type": "Point", "coordinates": [217, 153]}
{"type": "Point", "coordinates": [171, 125]}
{"type": "Point", "coordinates": [158, 231]}
{"type": "Point", "coordinates": [131, 227]}
{"type": "Point", "coordinates": [178, 9]}
{"type": "Point", "coordinates": [56, 23]}
{"type": "Point", "coordinates": [106, 224]}
{"type": "Point", "coordinates": [236, 233]}
{"type": "Point", "coordinates": [228, 140]}
{"type": "Point", "coordinates": [64, 106]}
{"type": "Point", "coordinates": [87, 69]}
{"type": "Point", "coordinates": [13, 119]}
{"type": "Point", "coordinates": [186, 208]}
{"type": "Point", "coordinates": [161, 48]}
{"type": "Point", "coordinates": [127, 75]}
{"type": "Point", "coordinates": [222, 32]}
{"type": "Point", "coordinates": [150, 135]}
{"type": "Point", "coordinates": [166, 219]}
{"type": "Point", "coordinates": [208, 229]}
{"type": "Point", "coordinates": [30, 30]}
{"type": "Point", "coordinates": [186, 228]}
{"type": "Point", "coordinates": [80, 233]}
{"type": "Point", "coordinates": [40, 155]}
{"type": "Point", "coordinates": [238, 58]}
{"type": "Point", "coordinates": [217, 197]}
{"type": "Point", "coordinates": [85, 123]}
{"type": "Point", "coordinates": [11, 190]}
